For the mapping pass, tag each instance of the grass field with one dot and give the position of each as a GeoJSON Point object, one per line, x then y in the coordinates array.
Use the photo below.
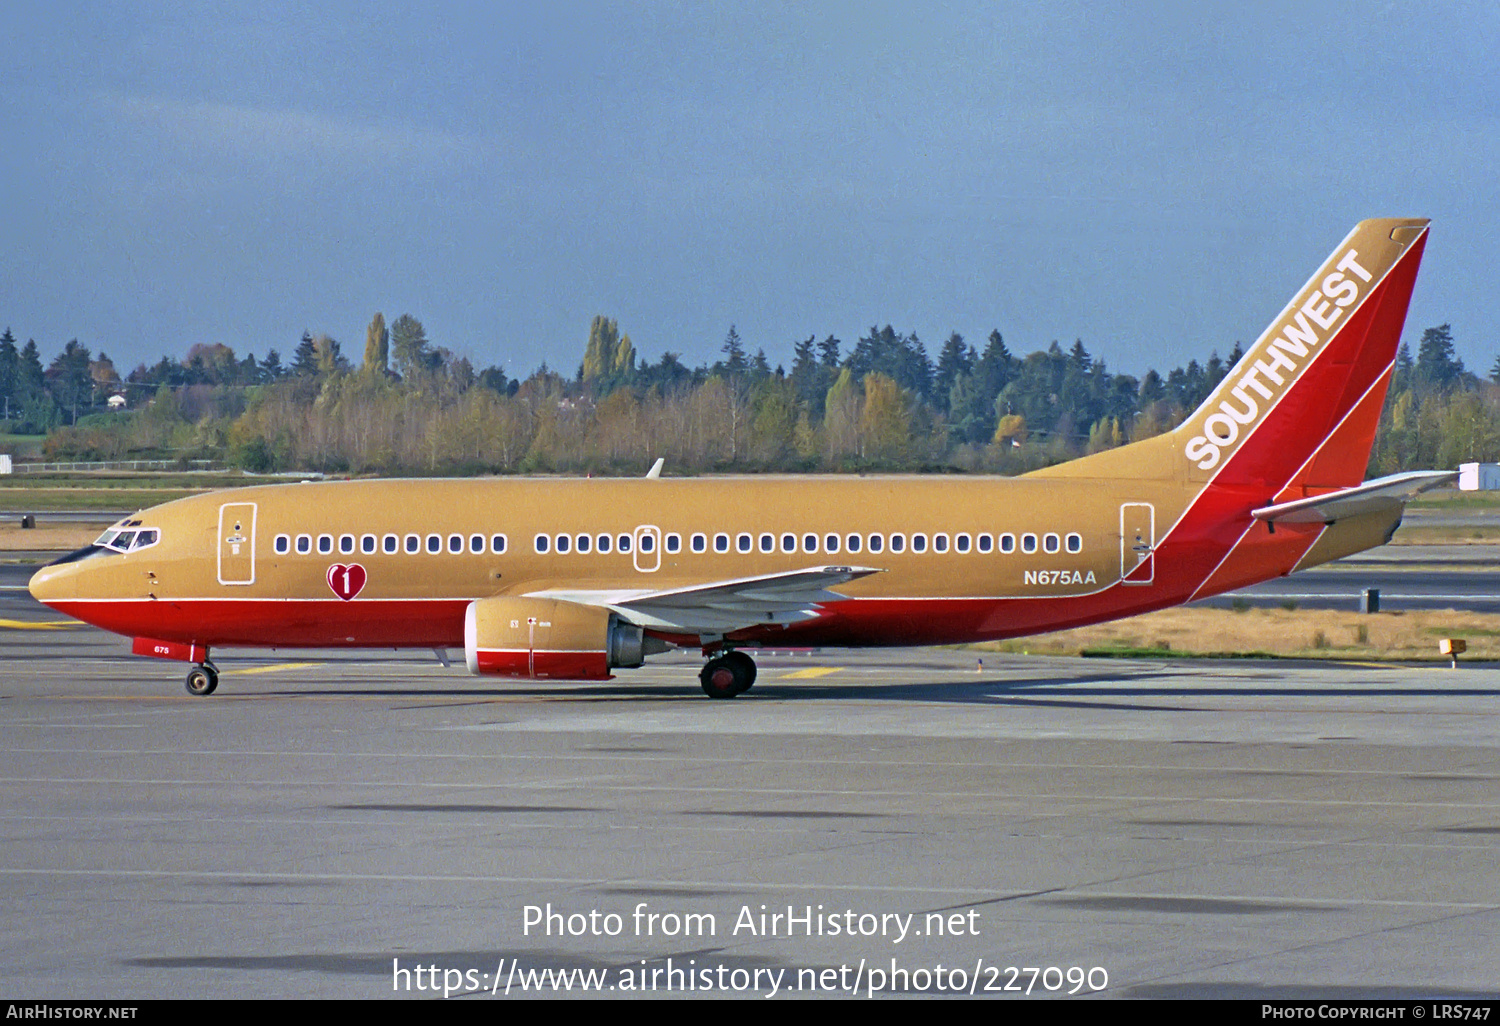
{"type": "Point", "coordinates": [1301, 633]}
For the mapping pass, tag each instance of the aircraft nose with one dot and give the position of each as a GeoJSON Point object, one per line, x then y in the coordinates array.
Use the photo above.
{"type": "Point", "coordinates": [52, 584]}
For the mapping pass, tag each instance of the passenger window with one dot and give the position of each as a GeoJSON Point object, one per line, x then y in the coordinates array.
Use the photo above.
{"type": "Point", "coordinates": [583, 543]}
{"type": "Point", "coordinates": [1051, 543]}
{"type": "Point", "coordinates": [853, 541]}
{"type": "Point", "coordinates": [674, 542]}
{"type": "Point", "coordinates": [789, 543]}
{"type": "Point", "coordinates": [283, 544]}
{"type": "Point", "coordinates": [831, 543]}
{"type": "Point", "coordinates": [624, 545]}
{"type": "Point", "coordinates": [985, 543]}
{"type": "Point", "coordinates": [1075, 542]}
{"type": "Point", "coordinates": [961, 543]}
{"type": "Point", "coordinates": [304, 544]}
{"type": "Point", "coordinates": [809, 543]}
{"type": "Point", "coordinates": [390, 543]}
{"type": "Point", "coordinates": [898, 542]}
{"type": "Point", "coordinates": [1007, 543]}
{"type": "Point", "coordinates": [456, 544]}
{"type": "Point", "coordinates": [648, 542]}
{"type": "Point", "coordinates": [564, 543]}
{"type": "Point", "coordinates": [413, 544]}
{"type": "Point", "coordinates": [346, 543]}
{"type": "Point", "coordinates": [543, 543]}
{"type": "Point", "coordinates": [476, 544]}
{"type": "Point", "coordinates": [604, 543]}
{"type": "Point", "coordinates": [767, 543]}
{"type": "Point", "coordinates": [368, 543]}
{"type": "Point", "coordinates": [434, 543]}
{"type": "Point", "coordinates": [1028, 543]}
{"type": "Point", "coordinates": [742, 543]}
{"type": "Point", "coordinates": [700, 543]}
{"type": "Point", "coordinates": [919, 543]}
{"type": "Point", "coordinates": [876, 543]}
{"type": "Point", "coordinates": [325, 543]}
{"type": "Point", "coordinates": [497, 543]}
{"type": "Point", "coordinates": [721, 543]}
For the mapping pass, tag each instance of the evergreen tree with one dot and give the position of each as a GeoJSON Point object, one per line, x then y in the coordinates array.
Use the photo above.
{"type": "Point", "coordinates": [10, 369]}
{"type": "Point", "coordinates": [409, 346]}
{"type": "Point", "coordinates": [305, 359]}
{"type": "Point", "coordinates": [69, 380]}
{"type": "Point", "coordinates": [734, 362]}
{"type": "Point", "coordinates": [1437, 366]}
{"type": "Point", "coordinates": [954, 360]}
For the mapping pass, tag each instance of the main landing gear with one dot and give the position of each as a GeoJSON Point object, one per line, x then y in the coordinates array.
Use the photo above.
{"type": "Point", "coordinates": [202, 679]}
{"type": "Point", "coordinates": [727, 675]}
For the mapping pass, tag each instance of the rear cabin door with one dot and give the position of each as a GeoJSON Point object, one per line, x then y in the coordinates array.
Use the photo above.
{"type": "Point", "coordinates": [237, 543]}
{"type": "Point", "coordinates": [1137, 543]}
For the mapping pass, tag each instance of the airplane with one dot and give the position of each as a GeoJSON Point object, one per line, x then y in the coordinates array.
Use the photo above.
{"type": "Point", "coordinates": [567, 579]}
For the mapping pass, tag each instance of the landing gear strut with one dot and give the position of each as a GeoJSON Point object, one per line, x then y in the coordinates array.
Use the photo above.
{"type": "Point", "coordinates": [727, 675]}
{"type": "Point", "coordinates": [202, 679]}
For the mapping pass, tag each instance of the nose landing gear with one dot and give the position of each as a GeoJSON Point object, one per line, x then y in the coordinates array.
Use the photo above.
{"type": "Point", "coordinates": [727, 675]}
{"type": "Point", "coordinates": [202, 679]}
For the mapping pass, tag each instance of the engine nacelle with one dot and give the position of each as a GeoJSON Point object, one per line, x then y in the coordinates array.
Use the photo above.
{"type": "Point", "coordinates": [548, 638]}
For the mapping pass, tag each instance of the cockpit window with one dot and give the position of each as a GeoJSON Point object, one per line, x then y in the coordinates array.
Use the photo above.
{"type": "Point", "coordinates": [116, 540]}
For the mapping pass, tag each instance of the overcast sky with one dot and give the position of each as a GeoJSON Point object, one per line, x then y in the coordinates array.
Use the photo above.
{"type": "Point", "coordinates": [1155, 179]}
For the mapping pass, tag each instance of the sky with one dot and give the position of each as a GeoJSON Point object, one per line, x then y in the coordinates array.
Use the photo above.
{"type": "Point", "coordinates": [1154, 179]}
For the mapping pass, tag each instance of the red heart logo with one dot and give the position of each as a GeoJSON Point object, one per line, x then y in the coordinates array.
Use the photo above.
{"type": "Point", "coordinates": [346, 581]}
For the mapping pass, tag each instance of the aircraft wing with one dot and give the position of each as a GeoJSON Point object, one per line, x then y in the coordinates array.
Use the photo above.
{"type": "Point", "coordinates": [1383, 493]}
{"type": "Point", "coordinates": [718, 607]}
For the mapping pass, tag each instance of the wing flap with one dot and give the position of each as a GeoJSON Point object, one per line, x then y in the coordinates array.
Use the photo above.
{"type": "Point", "coordinates": [721, 606]}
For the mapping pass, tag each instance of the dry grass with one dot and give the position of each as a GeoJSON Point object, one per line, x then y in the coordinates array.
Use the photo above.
{"type": "Point", "coordinates": [47, 537]}
{"type": "Point", "coordinates": [1314, 633]}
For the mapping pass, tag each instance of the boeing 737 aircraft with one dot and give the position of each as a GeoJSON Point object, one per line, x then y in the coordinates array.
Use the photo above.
{"type": "Point", "coordinates": [569, 578]}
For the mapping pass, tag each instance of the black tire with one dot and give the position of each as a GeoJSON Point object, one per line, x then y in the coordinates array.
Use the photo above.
{"type": "Point", "coordinates": [201, 681]}
{"type": "Point", "coordinates": [744, 669]}
{"type": "Point", "coordinates": [720, 679]}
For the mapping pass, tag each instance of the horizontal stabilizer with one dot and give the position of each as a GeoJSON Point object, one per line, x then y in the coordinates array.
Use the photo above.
{"type": "Point", "coordinates": [1383, 493]}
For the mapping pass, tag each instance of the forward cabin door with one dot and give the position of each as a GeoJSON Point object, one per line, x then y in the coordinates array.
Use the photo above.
{"type": "Point", "coordinates": [237, 543]}
{"type": "Point", "coordinates": [1137, 543]}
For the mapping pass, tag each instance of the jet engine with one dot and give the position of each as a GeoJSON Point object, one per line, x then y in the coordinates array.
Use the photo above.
{"type": "Point", "coordinates": [549, 638]}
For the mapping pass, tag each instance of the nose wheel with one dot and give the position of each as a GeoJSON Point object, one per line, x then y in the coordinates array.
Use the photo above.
{"type": "Point", "coordinates": [201, 680]}
{"type": "Point", "coordinates": [727, 675]}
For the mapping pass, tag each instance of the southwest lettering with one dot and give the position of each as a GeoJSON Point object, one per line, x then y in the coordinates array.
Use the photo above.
{"type": "Point", "coordinates": [1270, 370]}
{"type": "Point", "coordinates": [1298, 336]}
{"type": "Point", "coordinates": [1296, 342]}
{"type": "Point", "coordinates": [1249, 379]}
{"type": "Point", "coordinates": [1339, 289]}
{"type": "Point", "coordinates": [1203, 451]}
{"type": "Point", "coordinates": [1231, 429]}
{"type": "Point", "coordinates": [1348, 264]}
{"type": "Point", "coordinates": [1243, 416]}
{"type": "Point", "coordinates": [1318, 309]}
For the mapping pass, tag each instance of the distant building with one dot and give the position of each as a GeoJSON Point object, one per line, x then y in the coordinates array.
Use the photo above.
{"type": "Point", "coordinates": [117, 402]}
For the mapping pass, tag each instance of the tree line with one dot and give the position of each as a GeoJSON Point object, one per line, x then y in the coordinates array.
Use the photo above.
{"type": "Point", "coordinates": [882, 403]}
